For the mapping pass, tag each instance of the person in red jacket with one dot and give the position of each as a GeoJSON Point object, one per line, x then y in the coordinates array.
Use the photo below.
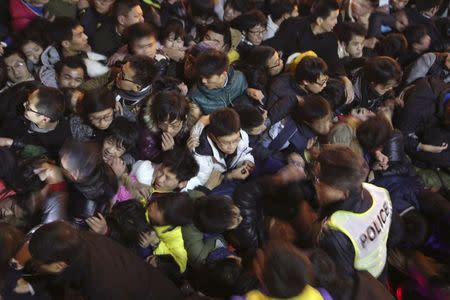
{"type": "Point", "coordinates": [22, 12]}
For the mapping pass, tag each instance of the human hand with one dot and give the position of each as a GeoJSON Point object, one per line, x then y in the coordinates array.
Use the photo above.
{"type": "Point", "coordinates": [5, 142]}
{"type": "Point", "coordinates": [167, 142]}
{"type": "Point", "coordinates": [290, 173]}
{"type": "Point", "coordinates": [432, 148]}
{"type": "Point", "coordinates": [148, 238]}
{"type": "Point", "coordinates": [256, 95]}
{"type": "Point", "coordinates": [22, 287]}
{"type": "Point", "coordinates": [118, 165]}
{"type": "Point", "coordinates": [193, 142]}
{"type": "Point", "coordinates": [175, 54]}
{"type": "Point", "coordinates": [214, 180]}
{"type": "Point", "coordinates": [97, 224]}
{"type": "Point", "coordinates": [296, 160]}
{"type": "Point", "coordinates": [240, 173]}
{"type": "Point", "coordinates": [349, 92]}
{"type": "Point", "coordinates": [382, 161]}
{"type": "Point", "coordinates": [50, 173]}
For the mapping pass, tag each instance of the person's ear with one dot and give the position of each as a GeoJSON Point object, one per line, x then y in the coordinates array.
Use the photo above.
{"type": "Point", "coordinates": [65, 44]}
{"type": "Point", "coordinates": [319, 21]}
{"type": "Point", "coordinates": [182, 184]}
{"type": "Point", "coordinates": [137, 87]}
{"type": "Point", "coordinates": [46, 119]}
{"type": "Point", "coordinates": [121, 20]}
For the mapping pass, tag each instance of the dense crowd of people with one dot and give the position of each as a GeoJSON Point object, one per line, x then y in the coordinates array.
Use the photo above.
{"type": "Point", "coordinates": [224, 149]}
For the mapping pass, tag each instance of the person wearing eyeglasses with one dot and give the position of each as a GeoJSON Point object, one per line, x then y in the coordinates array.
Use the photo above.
{"type": "Point", "coordinates": [16, 68]}
{"type": "Point", "coordinates": [252, 26]}
{"type": "Point", "coordinates": [42, 124]}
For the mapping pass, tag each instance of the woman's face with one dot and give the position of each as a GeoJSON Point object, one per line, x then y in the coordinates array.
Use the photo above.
{"type": "Point", "coordinates": [255, 34]}
{"type": "Point", "coordinates": [229, 13]}
{"type": "Point", "coordinates": [102, 119]}
{"type": "Point", "coordinates": [171, 127]}
{"type": "Point", "coordinates": [275, 64]}
{"type": "Point", "coordinates": [111, 149]}
{"type": "Point", "coordinates": [172, 42]}
{"type": "Point", "coordinates": [32, 51]}
{"type": "Point", "coordinates": [382, 89]}
{"type": "Point", "coordinates": [322, 126]}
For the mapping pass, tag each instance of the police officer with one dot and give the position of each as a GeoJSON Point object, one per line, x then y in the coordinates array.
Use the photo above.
{"type": "Point", "coordinates": [358, 223]}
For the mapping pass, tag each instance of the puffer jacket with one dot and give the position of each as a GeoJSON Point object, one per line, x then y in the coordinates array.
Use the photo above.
{"type": "Point", "coordinates": [429, 64]}
{"type": "Point", "coordinates": [209, 158]}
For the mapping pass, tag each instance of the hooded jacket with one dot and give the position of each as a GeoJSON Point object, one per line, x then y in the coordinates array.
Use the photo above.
{"type": "Point", "coordinates": [211, 100]}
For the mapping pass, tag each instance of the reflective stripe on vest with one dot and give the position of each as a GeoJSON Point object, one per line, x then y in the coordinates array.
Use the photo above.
{"type": "Point", "coordinates": [367, 231]}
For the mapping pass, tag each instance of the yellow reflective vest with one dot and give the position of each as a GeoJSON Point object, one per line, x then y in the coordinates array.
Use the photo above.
{"type": "Point", "coordinates": [368, 231]}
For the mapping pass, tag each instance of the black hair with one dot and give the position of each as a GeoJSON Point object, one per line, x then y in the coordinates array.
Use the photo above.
{"type": "Point", "coordinates": [201, 8]}
{"type": "Point", "coordinates": [323, 8]}
{"type": "Point", "coordinates": [223, 122]}
{"type": "Point", "coordinates": [286, 270]}
{"type": "Point", "coordinates": [145, 69]}
{"type": "Point", "coordinates": [248, 20]}
{"type": "Point", "coordinates": [123, 132]}
{"type": "Point", "coordinates": [72, 62]}
{"type": "Point", "coordinates": [169, 106]}
{"type": "Point", "coordinates": [36, 31]}
{"type": "Point", "coordinates": [381, 70]}
{"type": "Point", "coordinates": [61, 29]}
{"type": "Point", "coordinates": [334, 93]}
{"type": "Point", "coordinates": [166, 84]}
{"type": "Point", "coordinates": [347, 30]}
{"type": "Point", "coordinates": [240, 5]}
{"type": "Point", "coordinates": [214, 214]}
{"type": "Point", "coordinates": [68, 93]}
{"type": "Point", "coordinates": [177, 208]}
{"type": "Point", "coordinates": [313, 108]}
{"type": "Point", "coordinates": [414, 33]}
{"type": "Point", "coordinates": [123, 7]}
{"type": "Point", "coordinates": [374, 132]}
{"type": "Point", "coordinates": [394, 45]}
{"type": "Point", "coordinates": [10, 51]}
{"type": "Point", "coordinates": [425, 5]}
{"type": "Point", "coordinates": [56, 241]}
{"type": "Point", "coordinates": [310, 68]}
{"type": "Point", "coordinates": [416, 229]}
{"type": "Point", "coordinates": [138, 31]}
{"type": "Point", "coordinates": [249, 116]}
{"type": "Point", "coordinates": [174, 26]}
{"type": "Point", "coordinates": [96, 100]}
{"type": "Point", "coordinates": [181, 162]}
{"type": "Point", "coordinates": [50, 103]}
{"type": "Point", "coordinates": [280, 7]}
{"type": "Point", "coordinates": [223, 29]}
{"type": "Point", "coordinates": [127, 220]}
{"type": "Point", "coordinates": [211, 62]}
{"type": "Point", "coordinates": [282, 201]}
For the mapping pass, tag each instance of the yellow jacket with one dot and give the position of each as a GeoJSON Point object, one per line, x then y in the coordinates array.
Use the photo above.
{"type": "Point", "coordinates": [308, 293]}
{"type": "Point", "coordinates": [171, 243]}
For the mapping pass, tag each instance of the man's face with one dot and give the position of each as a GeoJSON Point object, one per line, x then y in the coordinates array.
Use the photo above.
{"type": "Point", "coordinates": [102, 119]}
{"type": "Point", "coordinates": [255, 34]}
{"type": "Point", "coordinates": [355, 46]}
{"type": "Point", "coordinates": [79, 40]}
{"type": "Point", "coordinates": [71, 78]}
{"type": "Point", "coordinates": [145, 46]}
{"type": "Point", "coordinates": [329, 22]}
{"type": "Point", "coordinates": [215, 37]}
{"type": "Point", "coordinates": [135, 15]}
{"type": "Point", "coordinates": [166, 180]}
{"type": "Point", "coordinates": [227, 144]}
{"type": "Point", "coordinates": [125, 79]}
{"type": "Point", "coordinates": [317, 86]}
{"type": "Point", "coordinates": [215, 81]}
{"type": "Point", "coordinates": [16, 68]}
{"type": "Point", "coordinates": [322, 126]}
{"type": "Point", "coordinates": [103, 6]}
{"type": "Point", "coordinates": [31, 112]}
{"type": "Point", "coordinates": [32, 51]}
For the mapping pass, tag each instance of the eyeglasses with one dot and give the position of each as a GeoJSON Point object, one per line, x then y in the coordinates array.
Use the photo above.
{"type": "Point", "coordinates": [104, 2]}
{"type": "Point", "coordinates": [258, 32]}
{"type": "Point", "coordinates": [122, 77]}
{"type": "Point", "coordinates": [105, 118]}
{"type": "Point", "coordinates": [323, 82]}
{"type": "Point", "coordinates": [27, 107]}
{"type": "Point", "coordinates": [164, 126]}
{"type": "Point", "coordinates": [279, 62]}
{"type": "Point", "coordinates": [229, 143]}
{"type": "Point", "coordinates": [16, 66]}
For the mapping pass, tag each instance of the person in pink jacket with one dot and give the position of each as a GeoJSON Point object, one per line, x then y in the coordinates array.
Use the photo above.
{"type": "Point", "coordinates": [22, 12]}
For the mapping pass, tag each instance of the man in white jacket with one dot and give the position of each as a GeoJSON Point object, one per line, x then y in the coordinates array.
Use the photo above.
{"type": "Point", "coordinates": [223, 147]}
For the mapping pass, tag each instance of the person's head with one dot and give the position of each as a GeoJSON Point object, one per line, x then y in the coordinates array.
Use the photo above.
{"type": "Point", "coordinates": [178, 166]}
{"type": "Point", "coordinates": [120, 138]}
{"type": "Point", "coordinates": [103, 7]}
{"type": "Point", "coordinates": [339, 172]}
{"type": "Point", "coordinates": [44, 106]}
{"type": "Point", "coordinates": [252, 25]}
{"type": "Point", "coordinates": [137, 73]}
{"type": "Point", "coordinates": [252, 119]}
{"type": "Point", "coordinates": [418, 38]}
{"type": "Point", "coordinates": [428, 7]}
{"type": "Point", "coordinates": [169, 112]}
{"type": "Point", "coordinates": [374, 133]}
{"type": "Point", "coordinates": [175, 209]}
{"type": "Point", "coordinates": [315, 112]}
{"type": "Point", "coordinates": [97, 108]}
{"type": "Point", "coordinates": [16, 66]}
{"type": "Point", "coordinates": [219, 32]}
{"type": "Point", "coordinates": [401, 20]}
{"type": "Point", "coordinates": [32, 43]}
{"type": "Point", "coordinates": [216, 214]}
{"type": "Point", "coordinates": [211, 68]}
{"type": "Point", "coordinates": [352, 36]}
{"type": "Point", "coordinates": [399, 4]}
{"type": "Point", "coordinates": [127, 13]}
{"type": "Point", "coordinates": [68, 35]}
{"type": "Point", "coordinates": [361, 8]}
{"type": "Point", "coordinates": [224, 129]}
{"type": "Point", "coordinates": [265, 57]}
{"type": "Point", "coordinates": [72, 100]}
{"type": "Point", "coordinates": [172, 35]}
{"type": "Point", "coordinates": [54, 247]}
{"type": "Point", "coordinates": [141, 39]}
{"type": "Point", "coordinates": [312, 74]}
{"type": "Point", "coordinates": [392, 45]}
{"type": "Point", "coordinates": [235, 8]}
{"type": "Point", "coordinates": [71, 72]}
{"type": "Point", "coordinates": [382, 73]}
{"type": "Point", "coordinates": [169, 84]}
{"type": "Point", "coordinates": [128, 219]}
{"type": "Point", "coordinates": [283, 269]}
{"type": "Point", "coordinates": [334, 93]}
{"type": "Point", "coordinates": [201, 11]}
{"type": "Point", "coordinates": [324, 14]}
{"type": "Point", "coordinates": [281, 10]}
